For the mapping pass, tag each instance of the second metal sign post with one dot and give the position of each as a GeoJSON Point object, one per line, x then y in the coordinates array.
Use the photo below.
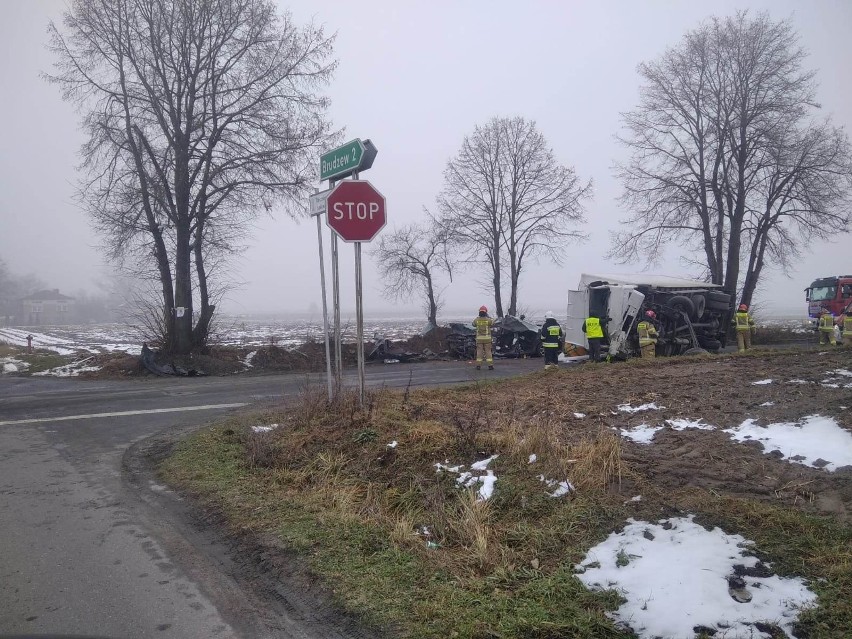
{"type": "Point", "coordinates": [356, 212]}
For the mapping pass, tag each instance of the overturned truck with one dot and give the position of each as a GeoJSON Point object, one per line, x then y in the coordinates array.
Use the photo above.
{"type": "Point", "coordinates": [692, 316]}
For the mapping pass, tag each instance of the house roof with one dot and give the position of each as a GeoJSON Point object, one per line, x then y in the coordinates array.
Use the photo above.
{"type": "Point", "coordinates": [47, 296]}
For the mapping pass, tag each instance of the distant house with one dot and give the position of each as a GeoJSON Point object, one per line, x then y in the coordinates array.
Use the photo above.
{"type": "Point", "coordinates": [46, 307]}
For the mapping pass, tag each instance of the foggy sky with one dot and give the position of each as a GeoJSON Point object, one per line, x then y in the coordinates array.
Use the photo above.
{"type": "Point", "coordinates": [415, 78]}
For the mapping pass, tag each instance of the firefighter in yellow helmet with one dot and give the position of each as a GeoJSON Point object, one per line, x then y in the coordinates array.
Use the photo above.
{"type": "Point", "coordinates": [745, 327]}
{"type": "Point", "coordinates": [483, 325]}
{"type": "Point", "coordinates": [826, 328]}
{"type": "Point", "coordinates": [648, 335]}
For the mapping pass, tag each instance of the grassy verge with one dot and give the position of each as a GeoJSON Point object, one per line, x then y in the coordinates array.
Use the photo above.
{"type": "Point", "coordinates": [408, 550]}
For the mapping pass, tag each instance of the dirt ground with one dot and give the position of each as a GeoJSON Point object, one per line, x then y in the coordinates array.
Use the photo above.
{"type": "Point", "coordinates": [720, 391]}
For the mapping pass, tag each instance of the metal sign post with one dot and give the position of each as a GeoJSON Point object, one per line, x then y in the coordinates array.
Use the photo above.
{"type": "Point", "coordinates": [359, 323]}
{"type": "Point", "coordinates": [359, 214]}
{"type": "Point", "coordinates": [314, 206]}
{"type": "Point", "coordinates": [335, 301]}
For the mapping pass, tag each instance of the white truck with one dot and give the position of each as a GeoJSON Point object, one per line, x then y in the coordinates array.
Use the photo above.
{"type": "Point", "coordinates": [692, 316]}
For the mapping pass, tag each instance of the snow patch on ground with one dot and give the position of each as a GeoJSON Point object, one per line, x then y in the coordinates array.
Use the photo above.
{"type": "Point", "coordinates": [264, 429]}
{"type": "Point", "coordinates": [579, 415]}
{"type": "Point", "coordinates": [641, 434]}
{"type": "Point", "coordinates": [673, 575]}
{"type": "Point", "coordinates": [768, 404]}
{"type": "Point", "coordinates": [761, 382]}
{"type": "Point", "coordinates": [249, 357]}
{"type": "Point", "coordinates": [814, 440]}
{"type": "Point", "coordinates": [12, 365]}
{"type": "Point", "coordinates": [468, 479]}
{"type": "Point", "coordinates": [627, 408]}
{"type": "Point", "coordinates": [559, 487]}
{"type": "Point", "coordinates": [69, 370]}
{"type": "Point", "coordinates": [683, 424]}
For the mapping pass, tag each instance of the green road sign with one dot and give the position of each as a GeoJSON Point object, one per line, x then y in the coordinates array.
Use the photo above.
{"type": "Point", "coordinates": [345, 160]}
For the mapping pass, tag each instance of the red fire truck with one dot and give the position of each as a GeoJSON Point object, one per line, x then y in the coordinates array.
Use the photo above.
{"type": "Point", "coordinates": [831, 293]}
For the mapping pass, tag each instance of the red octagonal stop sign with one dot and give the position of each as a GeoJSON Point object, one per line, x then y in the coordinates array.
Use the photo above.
{"type": "Point", "coordinates": [355, 210]}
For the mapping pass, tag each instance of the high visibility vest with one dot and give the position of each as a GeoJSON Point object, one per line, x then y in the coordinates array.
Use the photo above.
{"type": "Point", "coordinates": [847, 326]}
{"type": "Point", "coordinates": [826, 323]}
{"type": "Point", "coordinates": [647, 333]}
{"type": "Point", "coordinates": [593, 327]}
{"type": "Point", "coordinates": [742, 321]}
{"type": "Point", "coordinates": [554, 332]}
{"type": "Point", "coordinates": [483, 328]}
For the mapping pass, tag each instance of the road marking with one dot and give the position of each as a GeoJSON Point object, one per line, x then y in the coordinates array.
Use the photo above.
{"type": "Point", "coordinates": [121, 413]}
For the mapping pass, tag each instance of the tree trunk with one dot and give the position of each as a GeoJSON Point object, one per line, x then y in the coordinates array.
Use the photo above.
{"type": "Point", "coordinates": [495, 265]}
{"type": "Point", "coordinates": [513, 283]}
{"type": "Point", "coordinates": [202, 327]}
{"type": "Point", "coordinates": [732, 268]}
{"type": "Point", "coordinates": [752, 277]}
{"type": "Point", "coordinates": [183, 294]}
{"type": "Point", "coordinates": [432, 318]}
{"type": "Point", "coordinates": [167, 285]}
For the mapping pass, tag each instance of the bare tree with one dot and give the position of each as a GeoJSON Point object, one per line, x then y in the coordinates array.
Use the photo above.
{"type": "Point", "coordinates": [198, 112]}
{"type": "Point", "coordinates": [507, 200]}
{"type": "Point", "coordinates": [725, 158]}
{"type": "Point", "coordinates": [411, 259]}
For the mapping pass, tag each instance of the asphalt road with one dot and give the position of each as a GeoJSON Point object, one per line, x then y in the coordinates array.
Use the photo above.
{"type": "Point", "coordinates": [85, 551]}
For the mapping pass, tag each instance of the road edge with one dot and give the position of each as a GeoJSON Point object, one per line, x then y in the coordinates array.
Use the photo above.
{"type": "Point", "coordinates": [258, 586]}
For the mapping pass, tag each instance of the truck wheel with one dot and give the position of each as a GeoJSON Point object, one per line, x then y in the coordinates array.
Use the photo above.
{"type": "Point", "coordinates": [710, 344]}
{"type": "Point", "coordinates": [717, 301]}
{"type": "Point", "coordinates": [700, 304]}
{"type": "Point", "coordinates": [683, 303]}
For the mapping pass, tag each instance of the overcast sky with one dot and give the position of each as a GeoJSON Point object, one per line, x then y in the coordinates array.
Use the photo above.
{"type": "Point", "coordinates": [415, 78]}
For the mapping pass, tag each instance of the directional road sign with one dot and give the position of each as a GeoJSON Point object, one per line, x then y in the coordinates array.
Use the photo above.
{"type": "Point", "coordinates": [316, 202]}
{"type": "Point", "coordinates": [356, 211]}
{"type": "Point", "coordinates": [353, 156]}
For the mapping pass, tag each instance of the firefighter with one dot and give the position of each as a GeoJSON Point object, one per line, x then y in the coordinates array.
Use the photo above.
{"type": "Point", "coordinates": [648, 335]}
{"type": "Point", "coordinates": [745, 327]}
{"type": "Point", "coordinates": [846, 326]}
{"type": "Point", "coordinates": [826, 328]}
{"type": "Point", "coordinates": [594, 335]}
{"type": "Point", "coordinates": [552, 339]}
{"type": "Point", "coordinates": [483, 325]}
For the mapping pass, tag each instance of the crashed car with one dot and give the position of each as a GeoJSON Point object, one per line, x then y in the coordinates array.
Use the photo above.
{"type": "Point", "coordinates": [385, 350]}
{"type": "Point", "coordinates": [461, 342]}
{"type": "Point", "coordinates": [516, 337]}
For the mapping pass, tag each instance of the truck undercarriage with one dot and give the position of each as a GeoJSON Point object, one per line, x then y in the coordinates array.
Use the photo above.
{"type": "Point", "coordinates": [691, 316]}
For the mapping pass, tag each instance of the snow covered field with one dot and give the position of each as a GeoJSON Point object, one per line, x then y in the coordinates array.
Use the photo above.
{"type": "Point", "coordinates": [107, 338]}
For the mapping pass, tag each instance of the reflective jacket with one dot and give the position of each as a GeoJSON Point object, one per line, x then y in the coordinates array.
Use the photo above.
{"type": "Point", "coordinates": [647, 333]}
{"type": "Point", "coordinates": [742, 320]}
{"type": "Point", "coordinates": [551, 333]}
{"type": "Point", "coordinates": [826, 323]}
{"type": "Point", "coordinates": [592, 327]}
{"type": "Point", "coordinates": [847, 326]}
{"type": "Point", "coordinates": [483, 328]}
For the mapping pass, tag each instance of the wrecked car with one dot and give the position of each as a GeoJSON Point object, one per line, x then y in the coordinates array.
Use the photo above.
{"type": "Point", "coordinates": [516, 337]}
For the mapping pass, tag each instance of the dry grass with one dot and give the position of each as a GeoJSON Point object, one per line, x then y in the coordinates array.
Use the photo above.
{"type": "Point", "coordinates": [412, 547]}
{"type": "Point", "coordinates": [594, 464]}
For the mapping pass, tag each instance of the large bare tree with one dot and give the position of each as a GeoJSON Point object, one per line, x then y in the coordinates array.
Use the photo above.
{"type": "Point", "coordinates": [507, 200]}
{"type": "Point", "coordinates": [726, 156]}
{"type": "Point", "coordinates": [411, 259]}
{"type": "Point", "coordinates": [198, 114]}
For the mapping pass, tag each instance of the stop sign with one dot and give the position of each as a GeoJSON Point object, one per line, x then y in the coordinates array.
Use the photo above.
{"type": "Point", "coordinates": [355, 210]}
